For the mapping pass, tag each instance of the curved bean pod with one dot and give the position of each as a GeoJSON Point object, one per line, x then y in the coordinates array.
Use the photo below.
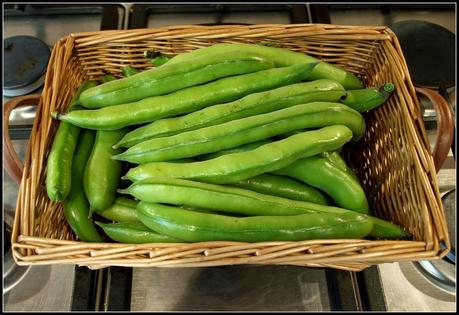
{"type": "Point", "coordinates": [319, 172]}
{"type": "Point", "coordinates": [199, 227]}
{"type": "Point", "coordinates": [59, 164]}
{"type": "Point", "coordinates": [170, 78]}
{"type": "Point", "coordinates": [240, 201]}
{"type": "Point", "coordinates": [222, 198]}
{"type": "Point", "coordinates": [363, 100]}
{"type": "Point", "coordinates": [253, 104]}
{"type": "Point", "coordinates": [76, 206]}
{"type": "Point", "coordinates": [335, 158]}
{"type": "Point", "coordinates": [245, 130]}
{"type": "Point", "coordinates": [238, 166]}
{"type": "Point", "coordinates": [122, 210]}
{"type": "Point", "coordinates": [281, 58]}
{"type": "Point", "coordinates": [102, 173]}
{"type": "Point", "coordinates": [241, 148]}
{"type": "Point", "coordinates": [186, 100]}
{"type": "Point", "coordinates": [134, 233]}
{"type": "Point", "coordinates": [282, 186]}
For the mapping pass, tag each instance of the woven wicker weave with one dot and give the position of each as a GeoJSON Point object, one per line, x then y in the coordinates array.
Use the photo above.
{"type": "Point", "coordinates": [393, 160]}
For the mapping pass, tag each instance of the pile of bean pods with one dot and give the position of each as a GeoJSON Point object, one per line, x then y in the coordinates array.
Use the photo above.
{"type": "Point", "coordinates": [233, 142]}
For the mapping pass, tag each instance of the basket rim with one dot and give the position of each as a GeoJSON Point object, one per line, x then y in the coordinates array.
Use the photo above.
{"type": "Point", "coordinates": [324, 26]}
{"type": "Point", "coordinates": [181, 31]}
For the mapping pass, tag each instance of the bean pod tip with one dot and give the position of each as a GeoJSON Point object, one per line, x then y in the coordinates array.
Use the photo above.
{"type": "Point", "coordinates": [388, 87]}
{"type": "Point", "coordinates": [55, 115]}
{"type": "Point", "coordinates": [116, 156]}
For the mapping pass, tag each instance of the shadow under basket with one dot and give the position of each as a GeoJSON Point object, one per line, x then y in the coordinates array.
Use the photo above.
{"type": "Point", "coordinates": [393, 160]}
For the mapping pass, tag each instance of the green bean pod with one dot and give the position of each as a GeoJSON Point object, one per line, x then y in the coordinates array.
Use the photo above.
{"type": "Point", "coordinates": [253, 104]}
{"type": "Point", "coordinates": [76, 206]}
{"type": "Point", "coordinates": [233, 200]}
{"type": "Point", "coordinates": [319, 172]}
{"type": "Point", "coordinates": [171, 78]}
{"type": "Point", "coordinates": [122, 210]}
{"type": "Point", "coordinates": [363, 100]}
{"type": "Point", "coordinates": [231, 168]}
{"type": "Point", "coordinates": [281, 58]}
{"type": "Point", "coordinates": [186, 100]}
{"type": "Point", "coordinates": [59, 164]}
{"type": "Point", "coordinates": [134, 233]}
{"type": "Point", "coordinates": [245, 130]}
{"type": "Point", "coordinates": [193, 226]}
{"type": "Point", "coordinates": [102, 173]}
{"type": "Point", "coordinates": [282, 186]}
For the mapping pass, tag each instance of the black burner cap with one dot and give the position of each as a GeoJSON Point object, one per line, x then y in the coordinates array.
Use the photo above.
{"type": "Point", "coordinates": [25, 60]}
{"type": "Point", "coordinates": [429, 50]}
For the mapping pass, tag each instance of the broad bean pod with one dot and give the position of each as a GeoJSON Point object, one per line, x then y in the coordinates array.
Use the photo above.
{"type": "Point", "coordinates": [171, 78]}
{"type": "Point", "coordinates": [214, 197]}
{"type": "Point", "coordinates": [134, 233]}
{"type": "Point", "coordinates": [193, 226]}
{"type": "Point", "coordinates": [241, 148]}
{"type": "Point", "coordinates": [281, 58]}
{"type": "Point", "coordinates": [59, 164]}
{"type": "Point", "coordinates": [102, 173]}
{"type": "Point", "coordinates": [76, 206]}
{"type": "Point", "coordinates": [335, 158]}
{"type": "Point", "coordinates": [363, 100]}
{"type": "Point", "coordinates": [282, 186]}
{"type": "Point", "coordinates": [238, 166]}
{"type": "Point", "coordinates": [122, 210]}
{"type": "Point", "coordinates": [332, 156]}
{"type": "Point", "coordinates": [319, 172]}
{"type": "Point", "coordinates": [186, 100]}
{"type": "Point", "coordinates": [253, 104]}
{"type": "Point", "coordinates": [233, 200]}
{"type": "Point", "coordinates": [245, 130]}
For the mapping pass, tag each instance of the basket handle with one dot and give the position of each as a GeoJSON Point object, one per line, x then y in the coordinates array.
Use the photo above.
{"type": "Point", "coordinates": [445, 126]}
{"type": "Point", "coordinates": [11, 161]}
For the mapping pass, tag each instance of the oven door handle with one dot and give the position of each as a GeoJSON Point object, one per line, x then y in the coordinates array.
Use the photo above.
{"type": "Point", "coordinates": [11, 161]}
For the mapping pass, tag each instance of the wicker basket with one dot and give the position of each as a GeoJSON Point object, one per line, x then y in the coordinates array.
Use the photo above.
{"type": "Point", "coordinates": [393, 160]}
